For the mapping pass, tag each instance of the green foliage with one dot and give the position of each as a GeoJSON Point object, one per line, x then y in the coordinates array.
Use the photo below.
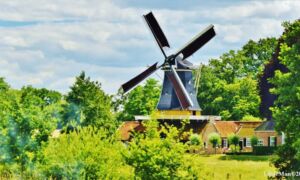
{"type": "Point", "coordinates": [234, 140]}
{"type": "Point", "coordinates": [47, 97]}
{"type": "Point", "coordinates": [87, 153]}
{"type": "Point", "coordinates": [195, 139]}
{"type": "Point", "coordinates": [234, 148]}
{"type": "Point", "coordinates": [254, 141]}
{"type": "Point", "coordinates": [285, 158]}
{"type": "Point", "coordinates": [26, 123]}
{"type": "Point", "coordinates": [155, 158]}
{"type": "Point", "coordinates": [195, 143]}
{"type": "Point", "coordinates": [140, 101]}
{"type": "Point", "coordinates": [214, 139]}
{"type": "Point", "coordinates": [87, 104]}
{"type": "Point", "coordinates": [287, 87]}
{"type": "Point", "coordinates": [3, 85]}
{"type": "Point", "coordinates": [241, 100]}
{"type": "Point", "coordinates": [258, 53]}
{"type": "Point", "coordinates": [228, 85]}
{"type": "Point", "coordinates": [264, 150]}
{"type": "Point", "coordinates": [250, 118]}
{"type": "Point", "coordinates": [210, 88]}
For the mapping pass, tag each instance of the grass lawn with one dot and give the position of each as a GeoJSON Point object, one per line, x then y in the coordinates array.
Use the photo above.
{"type": "Point", "coordinates": [232, 166]}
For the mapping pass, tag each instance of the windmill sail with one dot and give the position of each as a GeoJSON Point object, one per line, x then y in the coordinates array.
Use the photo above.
{"type": "Point", "coordinates": [136, 80]}
{"type": "Point", "coordinates": [197, 42]}
{"type": "Point", "coordinates": [177, 92]}
{"type": "Point", "coordinates": [156, 30]}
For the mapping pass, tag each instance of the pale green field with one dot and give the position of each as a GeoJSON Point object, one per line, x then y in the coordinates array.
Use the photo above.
{"type": "Point", "coordinates": [232, 166]}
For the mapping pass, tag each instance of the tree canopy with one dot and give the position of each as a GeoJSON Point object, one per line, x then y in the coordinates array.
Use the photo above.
{"type": "Point", "coordinates": [287, 86]}
{"type": "Point", "coordinates": [229, 84]}
{"type": "Point", "coordinates": [140, 101]}
{"type": "Point", "coordinates": [87, 104]}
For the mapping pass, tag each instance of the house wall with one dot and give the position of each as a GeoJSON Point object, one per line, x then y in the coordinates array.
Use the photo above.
{"type": "Point", "coordinates": [264, 135]}
{"type": "Point", "coordinates": [242, 133]}
{"type": "Point", "coordinates": [207, 130]}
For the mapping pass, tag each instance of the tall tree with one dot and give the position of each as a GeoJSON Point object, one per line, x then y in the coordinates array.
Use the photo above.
{"type": "Point", "coordinates": [267, 98]}
{"type": "Point", "coordinates": [88, 153]}
{"type": "Point", "coordinates": [3, 85]}
{"type": "Point", "coordinates": [140, 101]}
{"type": "Point", "coordinates": [287, 86]}
{"type": "Point", "coordinates": [228, 85]}
{"type": "Point", "coordinates": [26, 123]}
{"type": "Point", "coordinates": [87, 104]}
{"type": "Point", "coordinates": [258, 53]}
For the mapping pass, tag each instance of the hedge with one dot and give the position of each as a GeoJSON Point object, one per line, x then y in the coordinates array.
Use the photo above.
{"type": "Point", "coordinates": [264, 150]}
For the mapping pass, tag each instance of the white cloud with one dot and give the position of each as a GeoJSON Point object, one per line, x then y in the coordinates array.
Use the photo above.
{"type": "Point", "coordinates": [271, 9]}
{"type": "Point", "coordinates": [59, 38]}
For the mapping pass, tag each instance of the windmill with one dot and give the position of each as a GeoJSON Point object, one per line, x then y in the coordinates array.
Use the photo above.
{"type": "Point", "coordinates": [178, 95]}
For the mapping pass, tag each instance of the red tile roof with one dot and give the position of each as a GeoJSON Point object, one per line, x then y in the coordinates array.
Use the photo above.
{"type": "Point", "coordinates": [225, 128]}
{"type": "Point", "coordinates": [128, 127]}
{"type": "Point", "coordinates": [245, 132]}
{"type": "Point", "coordinates": [247, 128]}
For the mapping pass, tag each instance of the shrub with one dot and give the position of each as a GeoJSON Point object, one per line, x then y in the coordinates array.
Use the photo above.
{"type": "Point", "coordinates": [233, 140]}
{"type": "Point", "coordinates": [195, 139]}
{"type": "Point", "coordinates": [263, 150]}
{"type": "Point", "coordinates": [195, 142]}
{"type": "Point", "coordinates": [215, 140]}
{"type": "Point", "coordinates": [254, 141]}
{"type": "Point", "coordinates": [86, 153]}
{"type": "Point", "coordinates": [234, 149]}
{"type": "Point", "coordinates": [155, 158]}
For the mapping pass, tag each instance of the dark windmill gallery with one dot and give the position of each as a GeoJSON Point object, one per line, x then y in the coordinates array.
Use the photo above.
{"type": "Point", "coordinates": [178, 99]}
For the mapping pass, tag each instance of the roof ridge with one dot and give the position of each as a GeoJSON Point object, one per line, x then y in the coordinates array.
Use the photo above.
{"type": "Point", "coordinates": [214, 124]}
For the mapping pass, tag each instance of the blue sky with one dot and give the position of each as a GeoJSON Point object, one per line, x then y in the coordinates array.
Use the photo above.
{"type": "Point", "coordinates": [47, 43]}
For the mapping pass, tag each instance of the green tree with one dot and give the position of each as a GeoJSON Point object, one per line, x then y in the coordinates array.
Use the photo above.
{"type": "Point", "coordinates": [195, 139]}
{"type": "Point", "coordinates": [210, 89]}
{"type": "Point", "coordinates": [87, 104]}
{"type": "Point", "coordinates": [88, 153]}
{"type": "Point", "coordinates": [234, 101]}
{"type": "Point", "coordinates": [155, 158]}
{"type": "Point", "coordinates": [215, 140]}
{"type": "Point", "coordinates": [258, 53]}
{"type": "Point", "coordinates": [195, 142]}
{"type": "Point", "coordinates": [27, 124]}
{"type": "Point", "coordinates": [254, 141]}
{"type": "Point", "coordinates": [234, 140]}
{"type": "Point", "coordinates": [140, 101]}
{"type": "Point", "coordinates": [286, 111]}
{"type": "Point", "coordinates": [3, 85]}
{"type": "Point", "coordinates": [233, 74]}
{"type": "Point", "coordinates": [46, 96]}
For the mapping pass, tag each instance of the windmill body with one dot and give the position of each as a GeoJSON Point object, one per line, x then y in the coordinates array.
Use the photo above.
{"type": "Point", "coordinates": [168, 99]}
{"type": "Point", "coordinates": [178, 96]}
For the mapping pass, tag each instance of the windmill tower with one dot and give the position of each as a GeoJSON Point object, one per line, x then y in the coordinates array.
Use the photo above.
{"type": "Point", "coordinates": [178, 96]}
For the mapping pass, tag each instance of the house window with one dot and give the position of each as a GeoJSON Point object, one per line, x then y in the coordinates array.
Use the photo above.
{"type": "Point", "coordinates": [225, 143]}
{"type": "Point", "coordinates": [272, 140]}
{"type": "Point", "coordinates": [260, 142]}
{"type": "Point", "coordinates": [248, 142]}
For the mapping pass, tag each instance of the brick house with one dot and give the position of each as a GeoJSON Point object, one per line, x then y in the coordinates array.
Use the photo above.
{"type": "Point", "coordinates": [245, 132]}
{"type": "Point", "coordinates": [264, 130]}
{"type": "Point", "coordinates": [267, 135]}
{"type": "Point", "coordinates": [244, 129]}
{"type": "Point", "coordinates": [223, 128]}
